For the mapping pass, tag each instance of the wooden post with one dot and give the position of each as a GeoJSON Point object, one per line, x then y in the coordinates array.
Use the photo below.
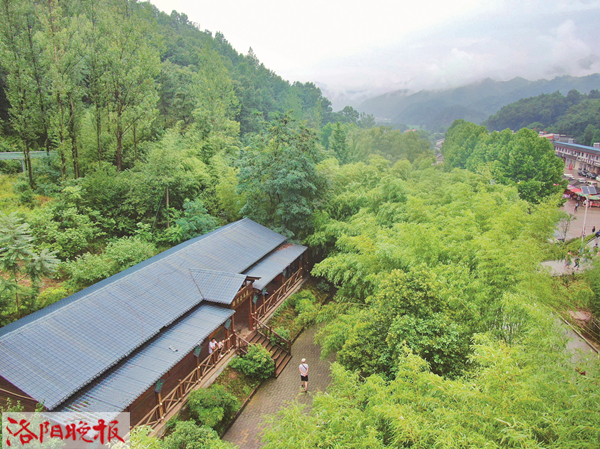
{"type": "Point", "coordinates": [250, 319]}
{"type": "Point", "coordinates": [167, 206]}
{"type": "Point", "coordinates": [161, 411]}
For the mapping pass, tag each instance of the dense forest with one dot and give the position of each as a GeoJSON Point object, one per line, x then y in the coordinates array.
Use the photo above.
{"type": "Point", "coordinates": [576, 115]}
{"type": "Point", "coordinates": [443, 325]}
{"type": "Point", "coordinates": [154, 132]}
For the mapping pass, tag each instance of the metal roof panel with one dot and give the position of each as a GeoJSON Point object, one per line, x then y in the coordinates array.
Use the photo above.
{"type": "Point", "coordinates": [87, 333]}
{"type": "Point", "coordinates": [133, 376]}
{"type": "Point", "coordinates": [268, 268]}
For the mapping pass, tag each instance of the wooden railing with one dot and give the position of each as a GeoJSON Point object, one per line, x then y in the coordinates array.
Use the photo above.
{"type": "Point", "coordinates": [268, 332]}
{"type": "Point", "coordinates": [242, 344]}
{"type": "Point", "coordinates": [186, 385]}
{"type": "Point", "coordinates": [273, 299]}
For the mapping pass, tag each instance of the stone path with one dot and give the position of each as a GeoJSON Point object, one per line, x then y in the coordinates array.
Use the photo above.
{"type": "Point", "coordinates": [274, 393]}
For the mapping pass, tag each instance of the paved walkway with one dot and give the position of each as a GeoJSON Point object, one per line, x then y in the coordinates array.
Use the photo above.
{"type": "Point", "coordinates": [576, 226]}
{"type": "Point", "coordinates": [274, 393]}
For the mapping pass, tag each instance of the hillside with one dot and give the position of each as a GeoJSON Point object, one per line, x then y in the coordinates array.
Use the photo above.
{"type": "Point", "coordinates": [575, 114]}
{"type": "Point", "coordinates": [436, 109]}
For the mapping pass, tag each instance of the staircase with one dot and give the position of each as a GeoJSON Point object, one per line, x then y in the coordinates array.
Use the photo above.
{"type": "Point", "coordinates": [280, 354]}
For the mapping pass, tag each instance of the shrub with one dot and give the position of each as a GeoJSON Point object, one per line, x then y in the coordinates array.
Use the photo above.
{"type": "Point", "coordinates": [307, 308]}
{"type": "Point", "coordinates": [188, 435]}
{"type": "Point", "coordinates": [120, 254]}
{"type": "Point", "coordinates": [128, 251]}
{"type": "Point", "coordinates": [51, 295]}
{"type": "Point", "coordinates": [257, 364]}
{"type": "Point", "coordinates": [324, 286]}
{"type": "Point", "coordinates": [212, 407]}
{"type": "Point", "coordinates": [88, 269]}
{"type": "Point", "coordinates": [282, 332]}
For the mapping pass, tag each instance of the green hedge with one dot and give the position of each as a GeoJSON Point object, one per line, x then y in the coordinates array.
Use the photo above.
{"type": "Point", "coordinates": [257, 364]}
{"type": "Point", "coordinates": [213, 407]}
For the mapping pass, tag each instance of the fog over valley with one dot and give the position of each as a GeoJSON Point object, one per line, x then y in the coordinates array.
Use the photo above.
{"type": "Point", "coordinates": [355, 51]}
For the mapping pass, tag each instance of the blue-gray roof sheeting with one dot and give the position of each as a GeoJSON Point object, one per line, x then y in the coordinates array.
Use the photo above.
{"type": "Point", "coordinates": [123, 384]}
{"type": "Point", "coordinates": [217, 286]}
{"type": "Point", "coordinates": [268, 268]}
{"type": "Point", "coordinates": [93, 329]}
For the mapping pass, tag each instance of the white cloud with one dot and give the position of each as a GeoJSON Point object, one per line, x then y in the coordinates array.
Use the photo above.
{"type": "Point", "coordinates": [359, 49]}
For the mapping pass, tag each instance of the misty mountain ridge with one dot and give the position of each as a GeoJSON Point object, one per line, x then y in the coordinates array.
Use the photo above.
{"type": "Point", "coordinates": [437, 109]}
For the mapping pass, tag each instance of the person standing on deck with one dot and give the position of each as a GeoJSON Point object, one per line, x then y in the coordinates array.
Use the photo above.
{"type": "Point", "coordinates": [303, 368]}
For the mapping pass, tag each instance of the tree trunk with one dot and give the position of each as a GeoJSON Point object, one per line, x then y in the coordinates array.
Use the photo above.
{"type": "Point", "coordinates": [167, 206]}
{"type": "Point", "coordinates": [38, 81]}
{"type": "Point", "coordinates": [73, 136]}
{"type": "Point", "coordinates": [98, 132]}
{"type": "Point", "coordinates": [134, 144]}
{"type": "Point", "coordinates": [119, 147]}
{"type": "Point", "coordinates": [28, 165]}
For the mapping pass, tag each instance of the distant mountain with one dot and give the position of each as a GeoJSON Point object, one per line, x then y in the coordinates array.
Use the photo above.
{"type": "Point", "coordinates": [435, 109]}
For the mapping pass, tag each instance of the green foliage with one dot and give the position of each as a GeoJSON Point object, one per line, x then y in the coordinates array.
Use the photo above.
{"type": "Point", "coordinates": [279, 177]}
{"type": "Point", "coordinates": [52, 295]}
{"type": "Point", "coordinates": [388, 143]}
{"type": "Point", "coordinates": [545, 109]}
{"type": "Point", "coordinates": [19, 261]}
{"type": "Point", "coordinates": [140, 438]}
{"type": "Point", "coordinates": [213, 407]}
{"type": "Point", "coordinates": [119, 255]}
{"type": "Point", "coordinates": [524, 159]}
{"type": "Point", "coordinates": [281, 332]}
{"type": "Point", "coordinates": [188, 435]}
{"type": "Point", "coordinates": [461, 139]}
{"type": "Point", "coordinates": [575, 115]}
{"type": "Point", "coordinates": [307, 307]}
{"type": "Point", "coordinates": [257, 364]}
{"type": "Point", "coordinates": [592, 277]}
{"type": "Point", "coordinates": [194, 222]}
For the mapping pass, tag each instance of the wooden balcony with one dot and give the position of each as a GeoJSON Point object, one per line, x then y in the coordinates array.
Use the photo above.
{"type": "Point", "coordinates": [174, 400]}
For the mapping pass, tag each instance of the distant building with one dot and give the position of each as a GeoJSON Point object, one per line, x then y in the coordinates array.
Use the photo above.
{"type": "Point", "coordinates": [557, 137]}
{"type": "Point", "coordinates": [578, 157]}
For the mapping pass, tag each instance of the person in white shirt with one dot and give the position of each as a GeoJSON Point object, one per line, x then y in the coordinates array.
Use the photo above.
{"type": "Point", "coordinates": [303, 368]}
{"type": "Point", "coordinates": [213, 349]}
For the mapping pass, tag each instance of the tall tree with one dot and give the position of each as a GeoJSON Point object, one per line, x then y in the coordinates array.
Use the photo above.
{"type": "Point", "coordinates": [64, 51]}
{"type": "Point", "coordinates": [27, 90]}
{"type": "Point", "coordinates": [279, 177]}
{"type": "Point", "coordinates": [131, 64]}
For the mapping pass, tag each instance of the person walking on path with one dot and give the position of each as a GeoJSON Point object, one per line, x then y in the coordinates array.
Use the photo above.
{"type": "Point", "coordinates": [576, 206]}
{"type": "Point", "coordinates": [593, 229]}
{"type": "Point", "coordinates": [303, 368]}
{"type": "Point", "coordinates": [568, 260]}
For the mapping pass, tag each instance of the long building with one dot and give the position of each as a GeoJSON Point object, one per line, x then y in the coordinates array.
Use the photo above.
{"type": "Point", "coordinates": [130, 341]}
{"type": "Point", "coordinates": [578, 157]}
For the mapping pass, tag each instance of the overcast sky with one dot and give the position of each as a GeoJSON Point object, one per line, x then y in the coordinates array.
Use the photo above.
{"type": "Point", "coordinates": [354, 50]}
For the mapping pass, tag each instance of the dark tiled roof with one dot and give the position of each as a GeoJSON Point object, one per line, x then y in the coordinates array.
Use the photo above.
{"type": "Point", "coordinates": [217, 286]}
{"type": "Point", "coordinates": [56, 351]}
{"type": "Point", "coordinates": [268, 268]}
{"type": "Point", "coordinates": [121, 385]}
